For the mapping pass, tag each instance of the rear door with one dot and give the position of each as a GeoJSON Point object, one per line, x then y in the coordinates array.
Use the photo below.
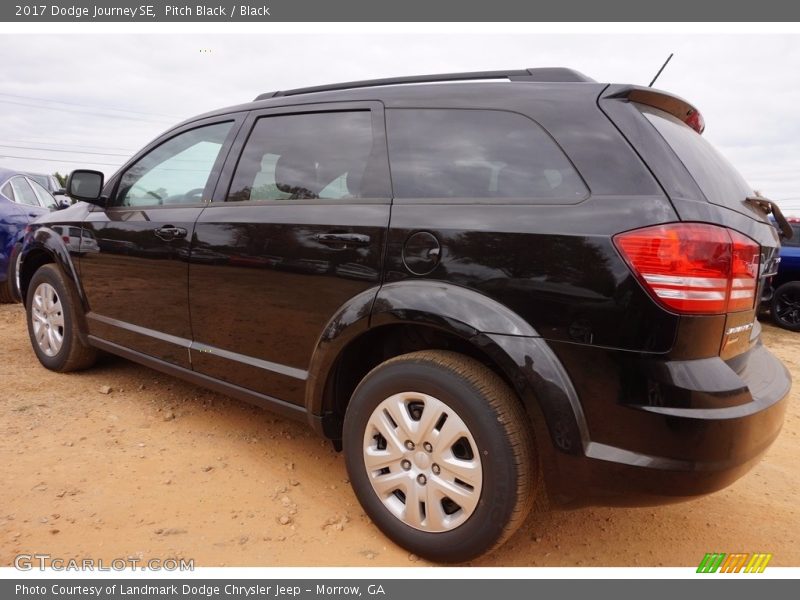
{"type": "Point", "coordinates": [296, 229]}
{"type": "Point", "coordinates": [135, 274]}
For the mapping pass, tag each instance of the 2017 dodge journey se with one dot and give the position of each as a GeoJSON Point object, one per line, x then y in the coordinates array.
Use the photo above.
{"type": "Point", "coordinates": [476, 288]}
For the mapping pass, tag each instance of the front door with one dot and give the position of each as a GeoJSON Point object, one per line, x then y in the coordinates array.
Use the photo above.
{"type": "Point", "coordinates": [296, 230]}
{"type": "Point", "coordinates": [136, 278]}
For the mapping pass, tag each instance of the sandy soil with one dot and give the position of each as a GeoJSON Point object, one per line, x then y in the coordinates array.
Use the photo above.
{"type": "Point", "coordinates": [157, 468]}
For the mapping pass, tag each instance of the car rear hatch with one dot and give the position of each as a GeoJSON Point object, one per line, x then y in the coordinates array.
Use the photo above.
{"type": "Point", "coordinates": [708, 193]}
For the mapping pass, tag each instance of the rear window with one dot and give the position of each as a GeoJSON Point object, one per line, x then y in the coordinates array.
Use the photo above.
{"type": "Point", "coordinates": [719, 181]}
{"type": "Point", "coordinates": [440, 153]}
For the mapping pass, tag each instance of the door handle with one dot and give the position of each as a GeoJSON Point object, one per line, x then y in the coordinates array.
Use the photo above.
{"type": "Point", "coordinates": [343, 239]}
{"type": "Point", "coordinates": [169, 233]}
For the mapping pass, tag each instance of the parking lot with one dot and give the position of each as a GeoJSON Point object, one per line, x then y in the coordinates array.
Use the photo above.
{"type": "Point", "coordinates": [123, 461]}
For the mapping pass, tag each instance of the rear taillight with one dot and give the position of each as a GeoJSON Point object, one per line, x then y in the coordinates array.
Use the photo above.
{"type": "Point", "coordinates": [65, 238]}
{"type": "Point", "coordinates": [694, 268]}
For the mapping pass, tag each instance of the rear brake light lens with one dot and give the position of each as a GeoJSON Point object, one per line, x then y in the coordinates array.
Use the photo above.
{"type": "Point", "coordinates": [694, 268]}
{"type": "Point", "coordinates": [695, 120]}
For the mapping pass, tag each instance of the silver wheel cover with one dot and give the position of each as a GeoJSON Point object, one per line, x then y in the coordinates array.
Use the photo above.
{"type": "Point", "coordinates": [47, 318]}
{"type": "Point", "coordinates": [423, 462]}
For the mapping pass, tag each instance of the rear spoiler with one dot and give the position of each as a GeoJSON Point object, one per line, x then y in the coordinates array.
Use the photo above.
{"type": "Point", "coordinates": [674, 105]}
{"type": "Point", "coordinates": [769, 207]}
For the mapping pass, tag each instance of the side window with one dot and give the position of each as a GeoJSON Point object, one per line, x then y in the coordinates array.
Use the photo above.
{"type": "Point", "coordinates": [326, 156]}
{"type": "Point", "coordinates": [176, 172]}
{"type": "Point", "coordinates": [8, 192]}
{"type": "Point", "coordinates": [795, 241]}
{"type": "Point", "coordinates": [23, 192]}
{"type": "Point", "coordinates": [45, 198]}
{"type": "Point", "coordinates": [437, 153]}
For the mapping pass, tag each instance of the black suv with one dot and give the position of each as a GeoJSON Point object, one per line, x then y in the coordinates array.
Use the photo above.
{"type": "Point", "coordinates": [477, 289]}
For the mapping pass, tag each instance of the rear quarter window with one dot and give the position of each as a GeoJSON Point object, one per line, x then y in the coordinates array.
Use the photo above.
{"type": "Point", "coordinates": [463, 154]}
{"type": "Point", "coordinates": [8, 192]}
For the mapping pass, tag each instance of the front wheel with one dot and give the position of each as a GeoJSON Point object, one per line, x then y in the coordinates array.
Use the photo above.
{"type": "Point", "coordinates": [52, 314]}
{"type": "Point", "coordinates": [786, 306]}
{"type": "Point", "coordinates": [440, 454]}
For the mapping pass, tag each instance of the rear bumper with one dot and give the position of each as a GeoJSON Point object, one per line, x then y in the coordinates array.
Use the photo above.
{"type": "Point", "coordinates": [707, 428]}
{"type": "Point", "coordinates": [657, 431]}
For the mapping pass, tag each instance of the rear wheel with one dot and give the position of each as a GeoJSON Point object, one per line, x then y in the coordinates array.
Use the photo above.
{"type": "Point", "coordinates": [8, 290]}
{"type": "Point", "coordinates": [53, 322]}
{"type": "Point", "coordinates": [440, 454]}
{"type": "Point", "coordinates": [786, 306]}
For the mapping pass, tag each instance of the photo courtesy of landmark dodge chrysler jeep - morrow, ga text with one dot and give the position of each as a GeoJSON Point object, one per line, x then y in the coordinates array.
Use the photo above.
{"type": "Point", "coordinates": [477, 290]}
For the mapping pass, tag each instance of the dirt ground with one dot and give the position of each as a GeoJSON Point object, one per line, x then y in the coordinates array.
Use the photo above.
{"type": "Point", "coordinates": [157, 468]}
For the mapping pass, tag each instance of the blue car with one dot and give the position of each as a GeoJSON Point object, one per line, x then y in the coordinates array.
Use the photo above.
{"type": "Point", "coordinates": [22, 200]}
{"type": "Point", "coordinates": [785, 303]}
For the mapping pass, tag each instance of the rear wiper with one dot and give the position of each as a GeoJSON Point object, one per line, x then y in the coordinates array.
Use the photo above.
{"type": "Point", "coordinates": [769, 207]}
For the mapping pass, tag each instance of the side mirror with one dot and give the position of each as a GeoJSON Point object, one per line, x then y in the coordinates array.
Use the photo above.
{"type": "Point", "coordinates": [60, 192]}
{"type": "Point", "coordinates": [86, 185]}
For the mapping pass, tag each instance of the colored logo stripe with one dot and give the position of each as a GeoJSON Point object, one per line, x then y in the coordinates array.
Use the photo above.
{"type": "Point", "coordinates": [734, 563]}
{"type": "Point", "coordinates": [710, 563]}
{"type": "Point", "coordinates": [758, 563]}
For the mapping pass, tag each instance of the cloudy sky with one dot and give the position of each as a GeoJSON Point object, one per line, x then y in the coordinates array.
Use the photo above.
{"type": "Point", "coordinates": [93, 100]}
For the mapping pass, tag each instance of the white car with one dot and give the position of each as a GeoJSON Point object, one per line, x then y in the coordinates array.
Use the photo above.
{"type": "Point", "coordinates": [77, 241]}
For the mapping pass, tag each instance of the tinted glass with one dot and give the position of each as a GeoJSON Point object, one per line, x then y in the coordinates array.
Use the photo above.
{"type": "Point", "coordinates": [477, 154]}
{"type": "Point", "coordinates": [7, 191]}
{"type": "Point", "coordinates": [795, 241]}
{"type": "Point", "coordinates": [45, 198]}
{"type": "Point", "coordinates": [719, 181]}
{"type": "Point", "coordinates": [176, 172]}
{"type": "Point", "coordinates": [40, 179]}
{"type": "Point", "coordinates": [311, 156]}
{"type": "Point", "coordinates": [23, 192]}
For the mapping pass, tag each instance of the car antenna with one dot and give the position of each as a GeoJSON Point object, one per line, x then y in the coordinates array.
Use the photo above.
{"type": "Point", "coordinates": [661, 69]}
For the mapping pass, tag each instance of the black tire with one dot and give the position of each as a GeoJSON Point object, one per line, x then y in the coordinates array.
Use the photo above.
{"type": "Point", "coordinates": [786, 306]}
{"type": "Point", "coordinates": [8, 290]}
{"type": "Point", "coordinates": [495, 419]}
{"type": "Point", "coordinates": [73, 354]}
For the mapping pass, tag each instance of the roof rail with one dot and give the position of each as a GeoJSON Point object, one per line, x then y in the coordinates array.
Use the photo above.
{"type": "Point", "coordinates": [550, 74]}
